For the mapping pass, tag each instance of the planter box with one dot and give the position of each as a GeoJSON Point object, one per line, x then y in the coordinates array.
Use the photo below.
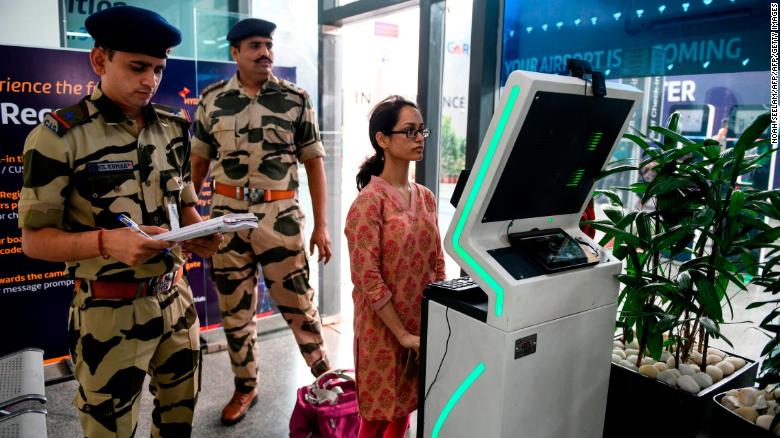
{"type": "Point", "coordinates": [727, 424]}
{"type": "Point", "coordinates": [639, 406]}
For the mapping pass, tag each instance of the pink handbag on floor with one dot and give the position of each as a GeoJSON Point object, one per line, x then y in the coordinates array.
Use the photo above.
{"type": "Point", "coordinates": [327, 408]}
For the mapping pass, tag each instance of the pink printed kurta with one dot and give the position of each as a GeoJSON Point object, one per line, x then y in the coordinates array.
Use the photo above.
{"type": "Point", "coordinates": [394, 251]}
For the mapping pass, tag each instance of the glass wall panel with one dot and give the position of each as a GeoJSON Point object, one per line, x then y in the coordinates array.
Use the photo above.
{"type": "Point", "coordinates": [179, 13]}
{"type": "Point", "coordinates": [379, 58]}
{"type": "Point", "coordinates": [454, 110]}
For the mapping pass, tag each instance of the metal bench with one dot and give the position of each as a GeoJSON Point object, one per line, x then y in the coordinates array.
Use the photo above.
{"type": "Point", "coordinates": [27, 423]}
{"type": "Point", "coordinates": [21, 377]}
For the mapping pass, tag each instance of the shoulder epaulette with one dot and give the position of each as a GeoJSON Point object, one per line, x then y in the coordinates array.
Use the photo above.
{"type": "Point", "coordinates": [63, 120]}
{"type": "Point", "coordinates": [289, 86]}
{"type": "Point", "coordinates": [212, 87]}
{"type": "Point", "coordinates": [179, 114]}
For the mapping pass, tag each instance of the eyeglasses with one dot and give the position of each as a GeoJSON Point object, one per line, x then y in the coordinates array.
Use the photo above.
{"type": "Point", "coordinates": [412, 133]}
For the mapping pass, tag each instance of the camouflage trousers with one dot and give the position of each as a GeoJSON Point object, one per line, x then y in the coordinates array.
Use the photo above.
{"type": "Point", "coordinates": [277, 245]}
{"type": "Point", "coordinates": [115, 343]}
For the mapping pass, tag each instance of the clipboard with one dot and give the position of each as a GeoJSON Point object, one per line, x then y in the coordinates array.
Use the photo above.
{"type": "Point", "coordinates": [224, 224]}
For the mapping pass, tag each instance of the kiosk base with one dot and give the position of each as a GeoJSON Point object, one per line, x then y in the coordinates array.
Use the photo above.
{"type": "Point", "coordinates": [547, 380]}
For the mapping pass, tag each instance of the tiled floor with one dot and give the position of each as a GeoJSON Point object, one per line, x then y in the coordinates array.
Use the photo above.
{"type": "Point", "coordinates": [282, 371]}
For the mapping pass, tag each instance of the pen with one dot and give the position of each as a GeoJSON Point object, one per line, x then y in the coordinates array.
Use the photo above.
{"type": "Point", "coordinates": [134, 226]}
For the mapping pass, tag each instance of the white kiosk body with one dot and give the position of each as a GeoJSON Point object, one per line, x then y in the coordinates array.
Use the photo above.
{"type": "Point", "coordinates": [533, 359]}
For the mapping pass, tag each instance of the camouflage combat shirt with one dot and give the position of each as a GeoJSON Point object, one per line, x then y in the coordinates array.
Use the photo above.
{"type": "Point", "coordinates": [256, 141]}
{"type": "Point", "coordinates": [84, 165]}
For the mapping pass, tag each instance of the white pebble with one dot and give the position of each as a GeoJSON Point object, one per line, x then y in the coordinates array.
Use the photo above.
{"type": "Point", "coordinates": [649, 371]}
{"type": "Point", "coordinates": [628, 365]}
{"type": "Point", "coordinates": [695, 357]}
{"type": "Point", "coordinates": [720, 354]}
{"type": "Point", "coordinates": [686, 370]}
{"type": "Point", "coordinates": [665, 355]}
{"type": "Point", "coordinates": [760, 403]}
{"type": "Point", "coordinates": [703, 380]}
{"type": "Point", "coordinates": [616, 358]}
{"type": "Point", "coordinates": [676, 372]}
{"type": "Point", "coordinates": [618, 344]}
{"type": "Point", "coordinates": [764, 421]}
{"type": "Point", "coordinates": [671, 363]}
{"type": "Point", "coordinates": [730, 402]}
{"type": "Point", "coordinates": [686, 383]}
{"type": "Point", "coordinates": [747, 396]}
{"type": "Point", "coordinates": [633, 345]}
{"type": "Point", "coordinates": [738, 362]}
{"type": "Point", "coordinates": [668, 377]}
{"type": "Point", "coordinates": [660, 366]}
{"type": "Point", "coordinates": [749, 414]}
{"type": "Point", "coordinates": [632, 351]}
{"type": "Point", "coordinates": [619, 352]}
{"type": "Point", "coordinates": [726, 367]}
{"type": "Point", "coordinates": [632, 358]}
{"type": "Point", "coordinates": [648, 361]}
{"type": "Point", "coordinates": [712, 359]}
{"type": "Point", "coordinates": [715, 372]}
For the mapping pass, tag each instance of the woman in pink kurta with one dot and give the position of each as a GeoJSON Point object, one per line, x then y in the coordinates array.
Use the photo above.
{"type": "Point", "coordinates": [395, 251]}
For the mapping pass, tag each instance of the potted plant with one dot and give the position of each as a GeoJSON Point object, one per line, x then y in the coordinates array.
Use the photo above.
{"type": "Point", "coordinates": [752, 411]}
{"type": "Point", "coordinates": [693, 206]}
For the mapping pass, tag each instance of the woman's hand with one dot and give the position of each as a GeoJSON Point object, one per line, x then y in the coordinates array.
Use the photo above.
{"type": "Point", "coordinates": [412, 342]}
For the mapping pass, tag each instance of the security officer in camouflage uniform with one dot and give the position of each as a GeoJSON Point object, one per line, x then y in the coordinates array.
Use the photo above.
{"type": "Point", "coordinates": [115, 153]}
{"type": "Point", "coordinates": [257, 128]}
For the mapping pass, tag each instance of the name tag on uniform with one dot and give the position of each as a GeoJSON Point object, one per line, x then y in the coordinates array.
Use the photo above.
{"type": "Point", "coordinates": [110, 167]}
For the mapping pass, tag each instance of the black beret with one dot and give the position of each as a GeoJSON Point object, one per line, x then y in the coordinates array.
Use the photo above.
{"type": "Point", "coordinates": [251, 27]}
{"type": "Point", "coordinates": [134, 30]}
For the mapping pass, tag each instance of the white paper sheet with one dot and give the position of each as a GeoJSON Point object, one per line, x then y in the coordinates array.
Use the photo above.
{"type": "Point", "coordinates": [223, 224]}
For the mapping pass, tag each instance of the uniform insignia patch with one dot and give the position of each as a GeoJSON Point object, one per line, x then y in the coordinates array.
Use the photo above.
{"type": "Point", "coordinates": [51, 125]}
{"type": "Point", "coordinates": [110, 167]}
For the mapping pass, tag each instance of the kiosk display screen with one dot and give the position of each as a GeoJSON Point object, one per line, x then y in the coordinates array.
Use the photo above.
{"type": "Point", "coordinates": [691, 120]}
{"type": "Point", "coordinates": [561, 147]}
{"type": "Point", "coordinates": [742, 116]}
{"type": "Point", "coordinates": [695, 120]}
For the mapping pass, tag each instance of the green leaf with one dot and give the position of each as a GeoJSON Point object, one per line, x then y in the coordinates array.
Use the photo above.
{"type": "Point", "coordinates": [712, 328]}
{"type": "Point", "coordinates": [618, 169]}
{"type": "Point", "coordinates": [711, 149]}
{"type": "Point", "coordinates": [643, 227]}
{"type": "Point", "coordinates": [639, 141]}
{"type": "Point", "coordinates": [667, 238]}
{"type": "Point", "coordinates": [753, 132]}
{"type": "Point", "coordinates": [707, 298]}
{"type": "Point", "coordinates": [662, 185]}
{"type": "Point", "coordinates": [613, 213]}
{"type": "Point", "coordinates": [655, 344]}
{"type": "Point", "coordinates": [736, 203]}
{"type": "Point", "coordinates": [671, 138]}
{"type": "Point", "coordinates": [757, 304]}
{"type": "Point", "coordinates": [613, 197]}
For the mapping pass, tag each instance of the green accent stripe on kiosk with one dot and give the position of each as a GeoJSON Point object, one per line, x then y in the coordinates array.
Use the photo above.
{"type": "Point", "coordinates": [491, 151]}
{"type": "Point", "coordinates": [462, 388]}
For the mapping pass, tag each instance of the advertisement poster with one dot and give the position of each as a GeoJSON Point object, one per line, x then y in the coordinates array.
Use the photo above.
{"type": "Point", "coordinates": [636, 38]}
{"type": "Point", "coordinates": [35, 295]}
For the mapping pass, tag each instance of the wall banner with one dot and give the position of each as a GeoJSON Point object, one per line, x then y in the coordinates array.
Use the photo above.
{"type": "Point", "coordinates": [35, 295]}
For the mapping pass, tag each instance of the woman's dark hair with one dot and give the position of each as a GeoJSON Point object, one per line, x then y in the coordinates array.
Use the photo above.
{"type": "Point", "coordinates": [381, 119]}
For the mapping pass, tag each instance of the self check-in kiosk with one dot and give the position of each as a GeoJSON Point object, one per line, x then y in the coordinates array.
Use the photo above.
{"type": "Point", "coordinates": [521, 347]}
